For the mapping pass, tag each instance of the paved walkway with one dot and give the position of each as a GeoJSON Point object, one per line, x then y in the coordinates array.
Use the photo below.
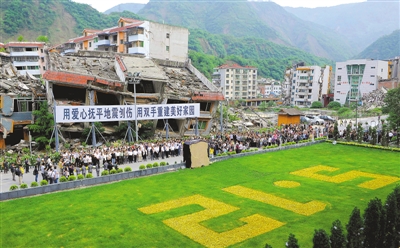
{"type": "Point", "coordinates": [6, 179]}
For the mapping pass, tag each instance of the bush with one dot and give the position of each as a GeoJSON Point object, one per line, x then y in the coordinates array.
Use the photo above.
{"type": "Point", "coordinates": [120, 170]}
{"type": "Point", "coordinates": [89, 175]}
{"type": "Point", "coordinates": [13, 187]}
{"type": "Point", "coordinates": [80, 177]}
{"type": "Point", "coordinates": [148, 166]}
{"type": "Point", "coordinates": [113, 171]}
{"type": "Point", "coordinates": [63, 179]}
{"type": "Point", "coordinates": [43, 183]}
{"type": "Point", "coordinates": [34, 184]}
{"type": "Point", "coordinates": [72, 178]}
{"type": "Point", "coordinates": [316, 104]}
{"type": "Point", "coordinates": [155, 164]}
{"type": "Point", "coordinates": [163, 163]}
{"type": "Point", "coordinates": [104, 173]}
{"type": "Point", "coordinates": [127, 169]}
{"type": "Point", "coordinates": [23, 186]}
{"type": "Point", "coordinates": [142, 167]}
{"type": "Point", "coordinates": [334, 105]}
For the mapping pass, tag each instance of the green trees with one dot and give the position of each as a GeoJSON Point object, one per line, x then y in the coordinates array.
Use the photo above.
{"type": "Point", "coordinates": [355, 230]}
{"type": "Point", "coordinates": [374, 224]}
{"type": "Point", "coordinates": [392, 107]}
{"type": "Point", "coordinates": [43, 126]}
{"type": "Point", "coordinates": [292, 242]}
{"type": "Point", "coordinates": [316, 104]}
{"type": "Point", "coordinates": [334, 105]}
{"type": "Point", "coordinates": [321, 239]}
{"type": "Point", "coordinates": [42, 38]}
{"type": "Point", "coordinates": [392, 209]}
{"type": "Point", "coordinates": [337, 238]}
{"type": "Point", "coordinates": [20, 38]}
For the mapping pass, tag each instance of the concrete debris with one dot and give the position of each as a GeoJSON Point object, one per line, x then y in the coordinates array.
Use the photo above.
{"type": "Point", "coordinates": [373, 99]}
{"type": "Point", "coordinates": [11, 82]}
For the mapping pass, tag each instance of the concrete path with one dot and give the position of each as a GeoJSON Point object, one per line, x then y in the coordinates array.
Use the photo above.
{"type": "Point", "coordinates": [6, 179]}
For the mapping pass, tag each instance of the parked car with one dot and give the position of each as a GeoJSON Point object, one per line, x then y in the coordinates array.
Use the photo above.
{"type": "Point", "coordinates": [326, 118]}
{"type": "Point", "coordinates": [304, 119]}
{"type": "Point", "coordinates": [315, 120]}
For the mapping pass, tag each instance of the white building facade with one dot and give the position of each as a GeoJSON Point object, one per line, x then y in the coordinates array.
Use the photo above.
{"type": "Point", "coordinates": [356, 78]}
{"type": "Point", "coordinates": [150, 39]}
{"type": "Point", "coordinates": [28, 57]}
{"type": "Point", "coordinates": [236, 82]}
{"type": "Point", "coordinates": [306, 84]}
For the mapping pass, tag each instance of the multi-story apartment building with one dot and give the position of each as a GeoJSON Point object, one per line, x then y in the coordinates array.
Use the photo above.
{"type": "Point", "coordinates": [236, 82]}
{"type": "Point", "coordinates": [269, 86]}
{"type": "Point", "coordinates": [306, 84]}
{"type": "Point", "coordinates": [150, 39]}
{"type": "Point", "coordinates": [355, 78]}
{"type": "Point", "coordinates": [28, 57]}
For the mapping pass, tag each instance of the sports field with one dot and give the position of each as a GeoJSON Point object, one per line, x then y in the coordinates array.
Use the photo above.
{"type": "Point", "coordinates": [244, 202]}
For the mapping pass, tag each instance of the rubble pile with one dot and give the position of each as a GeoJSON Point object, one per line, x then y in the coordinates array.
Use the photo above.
{"type": "Point", "coordinates": [182, 82]}
{"type": "Point", "coordinates": [373, 99]}
{"type": "Point", "coordinates": [97, 66]}
{"type": "Point", "coordinates": [12, 82]}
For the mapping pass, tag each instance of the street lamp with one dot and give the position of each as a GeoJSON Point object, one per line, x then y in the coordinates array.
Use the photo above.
{"type": "Point", "coordinates": [134, 79]}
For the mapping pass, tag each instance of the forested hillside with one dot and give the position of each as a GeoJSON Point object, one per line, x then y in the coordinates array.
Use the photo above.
{"type": "Point", "coordinates": [131, 7]}
{"type": "Point", "coordinates": [58, 20]}
{"type": "Point", "coordinates": [386, 47]}
{"type": "Point", "coordinates": [265, 20]}
{"type": "Point", "coordinates": [270, 58]}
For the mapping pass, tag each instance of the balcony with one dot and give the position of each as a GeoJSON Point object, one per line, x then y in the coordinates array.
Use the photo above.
{"type": "Point", "coordinates": [136, 37]}
{"type": "Point", "coordinates": [34, 53]}
{"type": "Point", "coordinates": [26, 63]}
{"type": "Point", "coordinates": [137, 50]}
{"type": "Point", "coordinates": [102, 43]}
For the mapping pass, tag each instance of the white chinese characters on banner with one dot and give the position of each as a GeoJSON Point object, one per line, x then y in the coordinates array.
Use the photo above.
{"type": "Point", "coordinates": [68, 114]}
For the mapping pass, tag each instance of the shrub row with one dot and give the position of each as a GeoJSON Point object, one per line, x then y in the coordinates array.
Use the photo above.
{"type": "Point", "coordinates": [155, 165]}
{"type": "Point", "coordinates": [394, 149]}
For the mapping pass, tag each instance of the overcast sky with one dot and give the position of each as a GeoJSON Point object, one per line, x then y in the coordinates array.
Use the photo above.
{"type": "Point", "coordinates": [102, 5]}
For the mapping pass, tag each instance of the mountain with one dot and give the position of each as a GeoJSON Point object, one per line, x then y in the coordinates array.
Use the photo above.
{"type": "Point", "coordinates": [362, 23]}
{"type": "Point", "coordinates": [131, 7]}
{"type": "Point", "coordinates": [386, 47]}
{"type": "Point", "coordinates": [265, 20]}
{"type": "Point", "coordinates": [208, 51]}
{"type": "Point", "coordinates": [58, 20]}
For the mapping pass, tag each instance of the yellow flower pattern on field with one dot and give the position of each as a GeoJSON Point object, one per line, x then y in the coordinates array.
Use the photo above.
{"type": "Point", "coordinates": [287, 184]}
{"type": "Point", "coordinates": [379, 181]}
{"type": "Point", "coordinates": [189, 225]}
{"type": "Point", "coordinates": [306, 209]}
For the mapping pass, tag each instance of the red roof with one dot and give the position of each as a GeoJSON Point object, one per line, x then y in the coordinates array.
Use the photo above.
{"type": "Point", "coordinates": [130, 20]}
{"type": "Point", "coordinates": [236, 66]}
{"type": "Point", "coordinates": [25, 44]}
{"type": "Point", "coordinates": [72, 78]}
{"type": "Point", "coordinates": [82, 38]}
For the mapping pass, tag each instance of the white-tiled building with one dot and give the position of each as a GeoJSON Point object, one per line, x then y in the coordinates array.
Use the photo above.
{"type": "Point", "coordinates": [28, 57]}
{"type": "Point", "coordinates": [150, 39]}
{"type": "Point", "coordinates": [269, 86]}
{"type": "Point", "coordinates": [306, 84]}
{"type": "Point", "coordinates": [355, 78]}
{"type": "Point", "coordinates": [236, 82]}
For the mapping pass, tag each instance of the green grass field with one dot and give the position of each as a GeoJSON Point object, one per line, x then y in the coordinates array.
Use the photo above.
{"type": "Point", "coordinates": [123, 214]}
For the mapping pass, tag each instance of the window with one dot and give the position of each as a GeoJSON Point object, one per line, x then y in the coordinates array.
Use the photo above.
{"type": "Point", "coordinates": [41, 50]}
{"type": "Point", "coordinates": [167, 48]}
{"type": "Point", "coordinates": [227, 81]}
{"type": "Point", "coordinates": [339, 68]}
{"type": "Point", "coordinates": [44, 68]}
{"type": "Point", "coordinates": [339, 78]}
{"type": "Point", "coordinates": [167, 35]}
{"type": "Point", "coordinates": [90, 44]}
{"type": "Point", "coordinates": [121, 41]}
{"type": "Point", "coordinates": [372, 67]}
{"type": "Point", "coordinates": [372, 75]}
{"type": "Point", "coordinates": [121, 24]}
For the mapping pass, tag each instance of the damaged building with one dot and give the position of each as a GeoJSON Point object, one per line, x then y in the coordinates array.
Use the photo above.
{"type": "Point", "coordinates": [73, 78]}
{"type": "Point", "coordinates": [19, 96]}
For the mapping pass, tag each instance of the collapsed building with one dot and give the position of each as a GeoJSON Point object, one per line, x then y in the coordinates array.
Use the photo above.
{"type": "Point", "coordinates": [19, 97]}
{"type": "Point", "coordinates": [72, 79]}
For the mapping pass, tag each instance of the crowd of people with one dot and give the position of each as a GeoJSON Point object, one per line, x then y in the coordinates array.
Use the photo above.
{"type": "Point", "coordinates": [83, 161]}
